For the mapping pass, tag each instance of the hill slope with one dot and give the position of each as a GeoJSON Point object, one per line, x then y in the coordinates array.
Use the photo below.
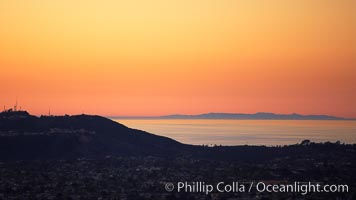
{"type": "Point", "coordinates": [23, 136]}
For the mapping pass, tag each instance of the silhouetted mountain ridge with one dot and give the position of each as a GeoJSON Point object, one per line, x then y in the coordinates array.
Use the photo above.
{"type": "Point", "coordinates": [25, 136]}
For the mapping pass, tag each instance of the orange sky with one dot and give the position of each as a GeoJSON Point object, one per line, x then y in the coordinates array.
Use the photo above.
{"type": "Point", "coordinates": [138, 57]}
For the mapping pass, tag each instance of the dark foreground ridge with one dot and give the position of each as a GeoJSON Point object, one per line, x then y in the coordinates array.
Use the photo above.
{"type": "Point", "coordinates": [23, 136]}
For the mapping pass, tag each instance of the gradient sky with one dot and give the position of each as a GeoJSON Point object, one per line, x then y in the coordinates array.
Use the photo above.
{"type": "Point", "coordinates": [139, 57]}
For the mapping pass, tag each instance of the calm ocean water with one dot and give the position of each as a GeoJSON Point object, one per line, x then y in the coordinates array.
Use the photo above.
{"type": "Point", "coordinates": [252, 132]}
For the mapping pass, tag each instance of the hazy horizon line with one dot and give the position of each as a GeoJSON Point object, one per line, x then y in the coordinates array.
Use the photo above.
{"type": "Point", "coordinates": [183, 114]}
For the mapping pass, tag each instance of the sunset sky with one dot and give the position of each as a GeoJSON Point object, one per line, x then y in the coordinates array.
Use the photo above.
{"type": "Point", "coordinates": [140, 57]}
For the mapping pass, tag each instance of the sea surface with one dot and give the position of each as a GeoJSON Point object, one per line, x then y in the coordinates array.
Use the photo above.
{"type": "Point", "coordinates": [251, 132]}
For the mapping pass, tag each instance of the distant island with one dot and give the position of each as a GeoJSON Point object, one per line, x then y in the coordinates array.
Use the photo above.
{"type": "Point", "coordinates": [242, 116]}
